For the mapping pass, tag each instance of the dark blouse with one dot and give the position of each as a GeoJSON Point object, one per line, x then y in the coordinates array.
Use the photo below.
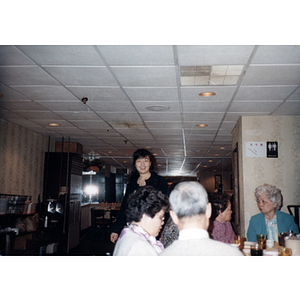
{"type": "Point", "coordinates": [156, 181]}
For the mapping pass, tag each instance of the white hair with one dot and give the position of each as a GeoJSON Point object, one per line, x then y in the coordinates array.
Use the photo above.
{"type": "Point", "coordinates": [188, 198]}
{"type": "Point", "coordinates": [272, 192]}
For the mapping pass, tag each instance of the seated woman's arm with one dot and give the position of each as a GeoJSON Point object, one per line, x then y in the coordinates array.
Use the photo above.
{"type": "Point", "coordinates": [251, 233]}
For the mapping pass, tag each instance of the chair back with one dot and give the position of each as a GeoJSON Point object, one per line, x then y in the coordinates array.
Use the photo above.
{"type": "Point", "coordinates": [295, 214]}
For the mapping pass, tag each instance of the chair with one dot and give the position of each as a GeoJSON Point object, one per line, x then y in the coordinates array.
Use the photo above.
{"type": "Point", "coordinates": [113, 215]}
{"type": "Point", "coordinates": [98, 221]}
{"type": "Point", "coordinates": [295, 214]}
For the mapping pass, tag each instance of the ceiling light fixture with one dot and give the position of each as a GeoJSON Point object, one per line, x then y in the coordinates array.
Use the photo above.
{"type": "Point", "coordinates": [53, 124]}
{"type": "Point", "coordinates": [157, 107]}
{"type": "Point", "coordinates": [201, 125]}
{"type": "Point", "coordinates": [207, 94]}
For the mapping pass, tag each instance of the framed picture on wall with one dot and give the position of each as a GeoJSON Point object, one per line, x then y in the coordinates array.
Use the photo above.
{"type": "Point", "coordinates": [218, 182]}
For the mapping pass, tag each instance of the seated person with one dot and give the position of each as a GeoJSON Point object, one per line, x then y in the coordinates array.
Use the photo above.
{"type": "Point", "coordinates": [191, 211]}
{"type": "Point", "coordinates": [220, 227]}
{"type": "Point", "coordinates": [170, 233]}
{"type": "Point", "coordinates": [271, 220]}
{"type": "Point", "coordinates": [145, 217]}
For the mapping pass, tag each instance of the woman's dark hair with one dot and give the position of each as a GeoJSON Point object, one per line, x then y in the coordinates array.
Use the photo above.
{"type": "Point", "coordinates": [141, 153]}
{"type": "Point", "coordinates": [145, 200]}
{"type": "Point", "coordinates": [219, 203]}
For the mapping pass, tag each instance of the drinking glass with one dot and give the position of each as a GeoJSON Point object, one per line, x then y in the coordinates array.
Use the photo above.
{"type": "Point", "coordinates": [283, 251]}
{"type": "Point", "coordinates": [256, 250]}
{"type": "Point", "coordinates": [262, 240]}
{"type": "Point", "coordinates": [239, 240]}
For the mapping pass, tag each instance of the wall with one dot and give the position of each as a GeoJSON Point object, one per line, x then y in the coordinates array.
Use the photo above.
{"type": "Point", "coordinates": [284, 171]}
{"type": "Point", "coordinates": [207, 179]}
{"type": "Point", "coordinates": [22, 160]}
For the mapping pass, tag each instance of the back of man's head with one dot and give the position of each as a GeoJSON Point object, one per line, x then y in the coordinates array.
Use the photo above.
{"type": "Point", "coordinates": [188, 198]}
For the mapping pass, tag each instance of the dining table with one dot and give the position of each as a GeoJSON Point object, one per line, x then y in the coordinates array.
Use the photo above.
{"type": "Point", "coordinates": [273, 251]}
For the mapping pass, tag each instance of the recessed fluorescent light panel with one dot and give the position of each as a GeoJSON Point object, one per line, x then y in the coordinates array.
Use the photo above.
{"type": "Point", "coordinates": [210, 75]}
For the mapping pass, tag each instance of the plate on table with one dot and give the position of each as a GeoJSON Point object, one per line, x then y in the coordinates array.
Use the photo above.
{"type": "Point", "coordinates": [247, 245]}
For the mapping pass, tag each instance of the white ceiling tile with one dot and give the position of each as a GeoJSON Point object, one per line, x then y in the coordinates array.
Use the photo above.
{"type": "Point", "coordinates": [170, 124]}
{"type": "Point", "coordinates": [53, 92]}
{"type": "Point", "coordinates": [279, 54]}
{"type": "Point", "coordinates": [291, 108]}
{"type": "Point", "coordinates": [63, 55]}
{"type": "Point", "coordinates": [152, 93]}
{"type": "Point", "coordinates": [65, 105]}
{"type": "Point", "coordinates": [295, 95]}
{"type": "Point", "coordinates": [88, 76]}
{"type": "Point", "coordinates": [232, 116]}
{"type": "Point", "coordinates": [213, 55]}
{"type": "Point", "coordinates": [112, 106]}
{"type": "Point", "coordinates": [10, 94]}
{"type": "Point", "coordinates": [204, 106]}
{"type": "Point", "coordinates": [192, 93]}
{"type": "Point", "coordinates": [264, 92]}
{"type": "Point", "coordinates": [137, 55]}
{"type": "Point", "coordinates": [158, 116]}
{"type": "Point", "coordinates": [254, 106]}
{"type": "Point", "coordinates": [93, 124]}
{"type": "Point", "coordinates": [45, 122]}
{"type": "Point", "coordinates": [78, 115]}
{"type": "Point", "coordinates": [9, 55]}
{"type": "Point", "coordinates": [32, 115]}
{"type": "Point", "coordinates": [202, 117]}
{"type": "Point", "coordinates": [162, 131]}
{"type": "Point", "coordinates": [272, 75]}
{"type": "Point", "coordinates": [145, 76]}
{"type": "Point", "coordinates": [25, 105]}
{"type": "Point", "coordinates": [120, 117]}
{"type": "Point", "coordinates": [28, 75]}
{"type": "Point", "coordinates": [172, 106]}
{"type": "Point", "coordinates": [94, 93]}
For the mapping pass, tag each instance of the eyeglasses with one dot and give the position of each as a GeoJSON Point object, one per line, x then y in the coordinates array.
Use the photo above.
{"type": "Point", "coordinates": [263, 202]}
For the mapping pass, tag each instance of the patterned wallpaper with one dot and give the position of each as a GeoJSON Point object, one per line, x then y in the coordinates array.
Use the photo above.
{"type": "Point", "coordinates": [284, 171]}
{"type": "Point", "coordinates": [22, 160]}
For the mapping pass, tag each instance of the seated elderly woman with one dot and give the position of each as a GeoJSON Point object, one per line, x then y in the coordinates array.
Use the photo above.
{"type": "Point", "coordinates": [220, 227]}
{"type": "Point", "coordinates": [271, 220]}
{"type": "Point", "coordinates": [145, 217]}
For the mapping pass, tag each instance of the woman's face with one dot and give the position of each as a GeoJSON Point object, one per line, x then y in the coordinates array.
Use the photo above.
{"type": "Point", "coordinates": [154, 225]}
{"type": "Point", "coordinates": [226, 214]}
{"type": "Point", "coordinates": [264, 204]}
{"type": "Point", "coordinates": [143, 164]}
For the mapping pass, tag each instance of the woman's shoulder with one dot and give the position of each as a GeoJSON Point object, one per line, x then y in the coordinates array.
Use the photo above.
{"type": "Point", "coordinates": [257, 217]}
{"type": "Point", "coordinates": [282, 214]}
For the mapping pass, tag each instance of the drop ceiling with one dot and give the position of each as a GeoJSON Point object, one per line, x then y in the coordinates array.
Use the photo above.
{"type": "Point", "coordinates": [44, 84]}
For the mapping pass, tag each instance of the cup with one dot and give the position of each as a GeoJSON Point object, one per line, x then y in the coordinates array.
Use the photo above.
{"type": "Point", "coordinates": [262, 240]}
{"type": "Point", "coordinates": [256, 250]}
{"type": "Point", "coordinates": [283, 251]}
{"type": "Point", "coordinates": [270, 243]}
{"type": "Point", "coordinates": [281, 236]}
{"type": "Point", "coordinates": [239, 240]}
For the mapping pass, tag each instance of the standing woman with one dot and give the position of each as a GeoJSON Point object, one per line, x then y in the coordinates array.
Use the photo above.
{"type": "Point", "coordinates": [142, 174]}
